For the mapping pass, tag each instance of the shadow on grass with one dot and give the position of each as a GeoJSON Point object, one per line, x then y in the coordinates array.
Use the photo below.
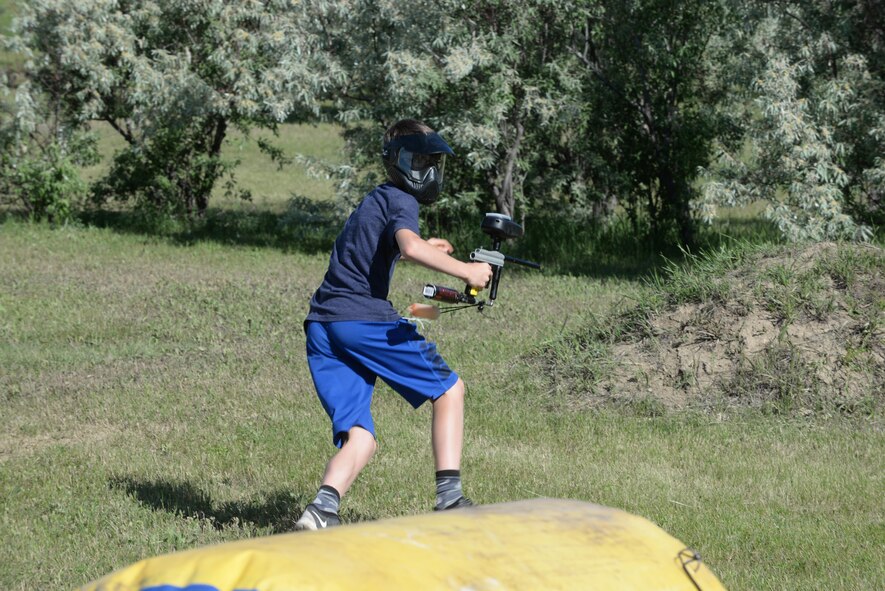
{"type": "Point", "coordinates": [306, 226]}
{"type": "Point", "coordinates": [563, 246]}
{"type": "Point", "coordinates": [278, 511]}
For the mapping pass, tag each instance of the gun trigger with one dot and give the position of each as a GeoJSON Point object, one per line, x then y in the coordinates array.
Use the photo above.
{"type": "Point", "coordinates": [473, 291]}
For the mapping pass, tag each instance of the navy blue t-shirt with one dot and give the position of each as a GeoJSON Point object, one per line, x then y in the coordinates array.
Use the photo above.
{"type": "Point", "coordinates": [365, 253]}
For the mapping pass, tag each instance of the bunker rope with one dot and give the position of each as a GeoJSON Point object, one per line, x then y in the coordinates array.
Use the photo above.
{"type": "Point", "coordinates": [687, 556]}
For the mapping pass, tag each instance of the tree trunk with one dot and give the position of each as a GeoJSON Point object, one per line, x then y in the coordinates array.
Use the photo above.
{"type": "Point", "coordinates": [676, 205]}
{"type": "Point", "coordinates": [504, 197]}
{"type": "Point", "coordinates": [207, 182]}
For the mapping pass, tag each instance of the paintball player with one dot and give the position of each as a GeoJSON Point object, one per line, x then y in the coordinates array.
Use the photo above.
{"type": "Point", "coordinates": [355, 336]}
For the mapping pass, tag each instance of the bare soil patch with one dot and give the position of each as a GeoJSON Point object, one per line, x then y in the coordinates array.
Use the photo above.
{"type": "Point", "coordinates": [788, 330]}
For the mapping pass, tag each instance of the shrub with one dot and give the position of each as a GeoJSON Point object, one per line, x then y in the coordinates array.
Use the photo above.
{"type": "Point", "coordinates": [39, 156]}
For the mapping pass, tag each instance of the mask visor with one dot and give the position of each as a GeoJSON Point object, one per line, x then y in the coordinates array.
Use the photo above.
{"type": "Point", "coordinates": [420, 143]}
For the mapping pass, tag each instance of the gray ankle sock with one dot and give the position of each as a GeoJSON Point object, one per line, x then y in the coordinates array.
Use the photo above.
{"type": "Point", "coordinates": [448, 488]}
{"type": "Point", "coordinates": [327, 499]}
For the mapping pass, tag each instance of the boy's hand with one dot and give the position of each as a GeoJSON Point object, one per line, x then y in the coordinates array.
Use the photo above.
{"type": "Point", "coordinates": [442, 244]}
{"type": "Point", "coordinates": [478, 275]}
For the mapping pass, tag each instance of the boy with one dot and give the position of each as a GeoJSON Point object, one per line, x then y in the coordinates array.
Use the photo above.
{"type": "Point", "coordinates": [354, 335]}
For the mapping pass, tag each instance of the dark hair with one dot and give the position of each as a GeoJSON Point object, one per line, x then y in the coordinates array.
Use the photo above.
{"type": "Point", "coordinates": [406, 127]}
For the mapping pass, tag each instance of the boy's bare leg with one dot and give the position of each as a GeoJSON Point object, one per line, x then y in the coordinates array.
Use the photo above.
{"type": "Point", "coordinates": [341, 471]}
{"type": "Point", "coordinates": [447, 431]}
{"type": "Point", "coordinates": [448, 436]}
{"type": "Point", "coordinates": [353, 456]}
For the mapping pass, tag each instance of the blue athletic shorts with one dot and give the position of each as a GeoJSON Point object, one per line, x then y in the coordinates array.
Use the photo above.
{"type": "Point", "coordinates": [346, 358]}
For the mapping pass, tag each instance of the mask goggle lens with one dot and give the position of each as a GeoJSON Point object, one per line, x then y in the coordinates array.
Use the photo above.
{"type": "Point", "coordinates": [419, 162]}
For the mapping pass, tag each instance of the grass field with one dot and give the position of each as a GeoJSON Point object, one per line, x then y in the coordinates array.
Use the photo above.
{"type": "Point", "coordinates": [155, 397]}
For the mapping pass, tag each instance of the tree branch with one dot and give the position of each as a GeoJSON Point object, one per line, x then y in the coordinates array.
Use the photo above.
{"type": "Point", "coordinates": [218, 139]}
{"type": "Point", "coordinates": [126, 133]}
{"type": "Point", "coordinates": [592, 64]}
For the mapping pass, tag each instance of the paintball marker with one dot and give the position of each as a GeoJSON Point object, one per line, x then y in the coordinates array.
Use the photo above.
{"type": "Point", "coordinates": [499, 227]}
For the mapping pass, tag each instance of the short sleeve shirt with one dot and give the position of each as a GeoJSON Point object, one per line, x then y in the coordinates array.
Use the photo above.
{"type": "Point", "coordinates": [357, 283]}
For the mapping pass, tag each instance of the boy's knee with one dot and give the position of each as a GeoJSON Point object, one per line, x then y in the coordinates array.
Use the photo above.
{"type": "Point", "coordinates": [362, 439]}
{"type": "Point", "coordinates": [455, 392]}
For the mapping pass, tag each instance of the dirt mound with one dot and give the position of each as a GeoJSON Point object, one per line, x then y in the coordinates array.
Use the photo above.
{"type": "Point", "coordinates": [787, 330]}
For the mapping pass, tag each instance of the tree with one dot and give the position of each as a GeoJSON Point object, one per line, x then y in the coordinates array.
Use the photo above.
{"type": "Point", "coordinates": [814, 131]}
{"type": "Point", "coordinates": [172, 77]}
{"type": "Point", "coordinates": [487, 73]}
{"type": "Point", "coordinates": [508, 91]}
{"type": "Point", "coordinates": [650, 97]}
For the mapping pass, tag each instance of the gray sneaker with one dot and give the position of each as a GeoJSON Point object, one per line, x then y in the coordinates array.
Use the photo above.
{"type": "Point", "coordinates": [461, 502]}
{"type": "Point", "coordinates": [315, 518]}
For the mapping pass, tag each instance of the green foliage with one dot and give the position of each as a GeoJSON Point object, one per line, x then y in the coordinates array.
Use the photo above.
{"type": "Point", "coordinates": [605, 104]}
{"type": "Point", "coordinates": [40, 157]}
{"type": "Point", "coordinates": [506, 88]}
{"type": "Point", "coordinates": [607, 107]}
{"type": "Point", "coordinates": [650, 100]}
{"type": "Point", "coordinates": [47, 186]}
{"type": "Point", "coordinates": [814, 130]}
{"type": "Point", "coordinates": [168, 174]}
{"type": "Point", "coordinates": [171, 77]}
{"type": "Point", "coordinates": [482, 72]}
{"type": "Point", "coordinates": [8, 61]}
{"type": "Point", "coordinates": [625, 104]}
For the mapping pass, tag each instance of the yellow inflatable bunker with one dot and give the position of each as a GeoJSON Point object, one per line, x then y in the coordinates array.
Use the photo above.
{"type": "Point", "coordinates": [541, 544]}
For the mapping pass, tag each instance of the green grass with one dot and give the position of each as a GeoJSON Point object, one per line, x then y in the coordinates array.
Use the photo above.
{"type": "Point", "coordinates": [155, 397]}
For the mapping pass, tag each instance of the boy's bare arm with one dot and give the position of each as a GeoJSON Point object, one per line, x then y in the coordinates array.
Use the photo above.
{"type": "Point", "coordinates": [434, 256]}
{"type": "Point", "coordinates": [440, 243]}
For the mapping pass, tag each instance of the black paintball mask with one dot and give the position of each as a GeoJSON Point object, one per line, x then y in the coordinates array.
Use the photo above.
{"type": "Point", "coordinates": [415, 163]}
